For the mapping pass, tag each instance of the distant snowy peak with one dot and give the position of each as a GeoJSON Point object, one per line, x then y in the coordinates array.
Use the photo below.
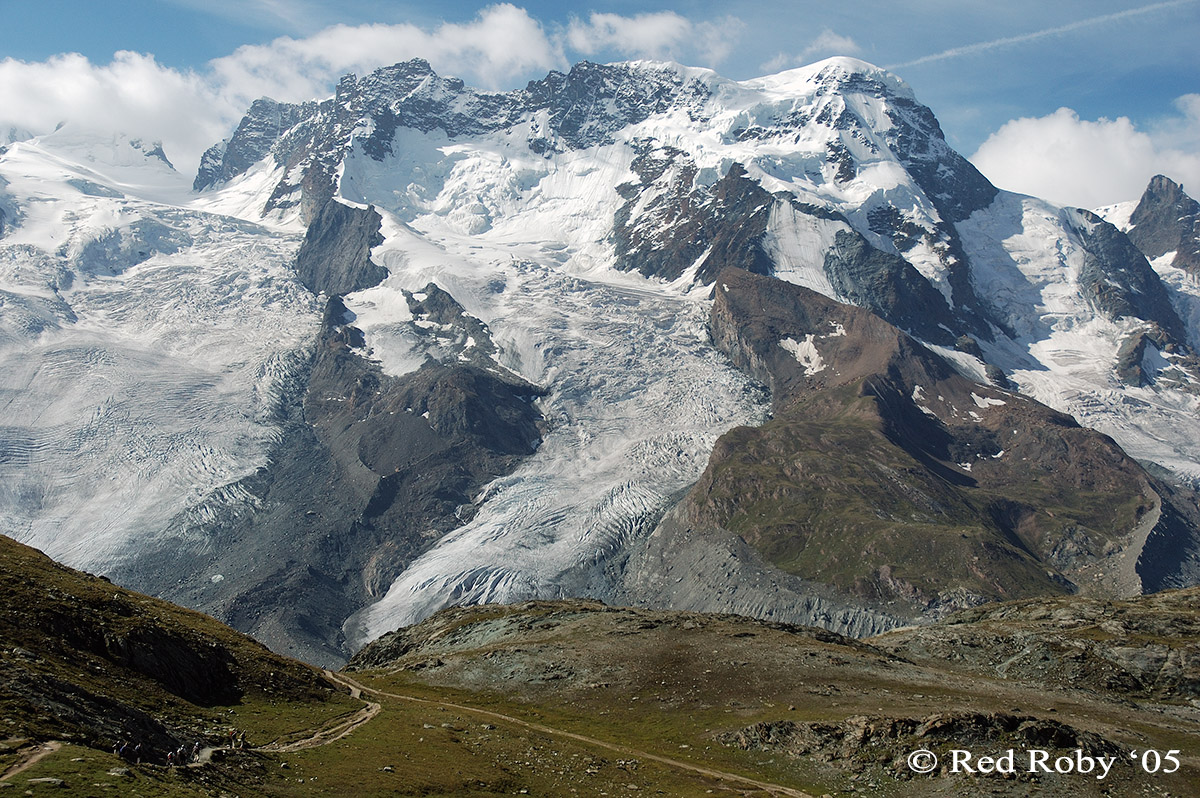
{"type": "Point", "coordinates": [831, 122]}
{"type": "Point", "coordinates": [661, 163]}
{"type": "Point", "coordinates": [563, 111]}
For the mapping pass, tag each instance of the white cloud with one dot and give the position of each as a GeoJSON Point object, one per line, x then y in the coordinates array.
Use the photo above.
{"type": "Point", "coordinates": [502, 43]}
{"type": "Point", "coordinates": [190, 110]}
{"type": "Point", "coordinates": [133, 94]}
{"type": "Point", "coordinates": [825, 45]}
{"type": "Point", "coordinates": [1075, 161]}
{"type": "Point", "coordinates": [829, 43]}
{"type": "Point", "coordinates": [658, 35]}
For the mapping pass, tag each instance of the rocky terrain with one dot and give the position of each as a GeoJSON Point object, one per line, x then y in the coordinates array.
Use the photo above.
{"type": "Point", "coordinates": [90, 665]}
{"type": "Point", "coordinates": [1166, 221]}
{"type": "Point", "coordinates": [1141, 648]}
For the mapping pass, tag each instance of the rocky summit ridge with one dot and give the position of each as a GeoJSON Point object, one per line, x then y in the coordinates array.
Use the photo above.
{"type": "Point", "coordinates": [416, 344]}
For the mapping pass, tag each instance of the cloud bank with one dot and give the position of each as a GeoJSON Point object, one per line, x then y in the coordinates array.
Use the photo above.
{"type": "Point", "coordinates": [1074, 161]}
{"type": "Point", "coordinates": [663, 35]}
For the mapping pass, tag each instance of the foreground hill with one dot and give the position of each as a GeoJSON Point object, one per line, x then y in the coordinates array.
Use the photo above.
{"type": "Point", "coordinates": [815, 711]}
{"type": "Point", "coordinates": [577, 698]}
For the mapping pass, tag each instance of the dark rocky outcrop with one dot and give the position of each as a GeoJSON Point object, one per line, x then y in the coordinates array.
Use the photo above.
{"type": "Point", "coordinates": [683, 222]}
{"type": "Point", "coordinates": [89, 662]}
{"type": "Point", "coordinates": [1167, 220]}
{"type": "Point", "coordinates": [1117, 280]}
{"type": "Point", "coordinates": [262, 126]}
{"type": "Point", "coordinates": [335, 258]}
{"type": "Point", "coordinates": [890, 286]}
{"type": "Point", "coordinates": [1141, 361]}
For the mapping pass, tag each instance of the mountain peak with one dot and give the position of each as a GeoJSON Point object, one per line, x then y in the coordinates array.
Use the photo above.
{"type": "Point", "coordinates": [1167, 220]}
{"type": "Point", "coordinates": [840, 73]}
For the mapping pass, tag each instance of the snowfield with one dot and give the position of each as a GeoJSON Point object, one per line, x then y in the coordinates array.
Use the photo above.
{"type": "Point", "coordinates": [141, 377]}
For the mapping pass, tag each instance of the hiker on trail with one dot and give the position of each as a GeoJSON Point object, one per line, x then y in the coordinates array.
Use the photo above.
{"type": "Point", "coordinates": [242, 739]}
{"type": "Point", "coordinates": [137, 754]}
{"type": "Point", "coordinates": [196, 751]}
{"type": "Point", "coordinates": [170, 758]}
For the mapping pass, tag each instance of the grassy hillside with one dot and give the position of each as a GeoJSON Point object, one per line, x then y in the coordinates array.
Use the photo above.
{"type": "Point", "coordinates": [578, 699]}
{"type": "Point", "coordinates": [891, 477]}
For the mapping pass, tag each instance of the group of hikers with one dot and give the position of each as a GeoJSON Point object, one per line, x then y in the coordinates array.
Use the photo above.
{"type": "Point", "coordinates": [182, 755]}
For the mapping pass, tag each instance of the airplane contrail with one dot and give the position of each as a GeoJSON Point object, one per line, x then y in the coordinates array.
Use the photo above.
{"type": "Point", "coordinates": [980, 47]}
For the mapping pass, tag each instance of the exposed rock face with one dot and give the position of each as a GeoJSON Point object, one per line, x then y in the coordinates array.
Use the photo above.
{"type": "Point", "coordinates": [262, 126]}
{"type": "Point", "coordinates": [684, 226]}
{"type": "Point", "coordinates": [890, 477]}
{"type": "Point", "coordinates": [684, 566]}
{"type": "Point", "coordinates": [1167, 220]}
{"type": "Point", "coordinates": [890, 286]}
{"type": "Point", "coordinates": [1117, 280]}
{"type": "Point", "coordinates": [336, 255]}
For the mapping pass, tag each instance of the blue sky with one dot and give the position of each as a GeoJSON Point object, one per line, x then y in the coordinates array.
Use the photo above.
{"type": "Point", "coordinates": [1128, 74]}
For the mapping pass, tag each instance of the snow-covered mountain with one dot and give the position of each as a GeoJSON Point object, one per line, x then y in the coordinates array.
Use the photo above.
{"type": "Point", "coordinates": [183, 414]}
